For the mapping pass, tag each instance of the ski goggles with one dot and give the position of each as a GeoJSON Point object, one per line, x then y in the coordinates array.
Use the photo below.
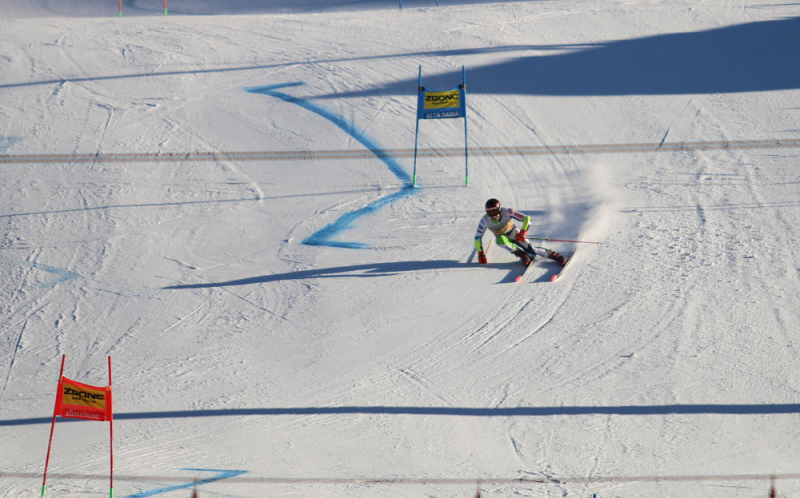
{"type": "Point", "coordinates": [493, 212]}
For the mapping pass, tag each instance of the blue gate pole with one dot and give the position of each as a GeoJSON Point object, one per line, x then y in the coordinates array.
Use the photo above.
{"type": "Point", "coordinates": [416, 133]}
{"type": "Point", "coordinates": [466, 146]}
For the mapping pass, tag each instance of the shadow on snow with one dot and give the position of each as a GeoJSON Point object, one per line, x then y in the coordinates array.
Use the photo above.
{"type": "Point", "coordinates": [753, 57]}
{"type": "Point", "coordinates": [358, 271]}
{"type": "Point", "coordinates": [142, 8]}
{"type": "Point", "coordinates": [522, 411]}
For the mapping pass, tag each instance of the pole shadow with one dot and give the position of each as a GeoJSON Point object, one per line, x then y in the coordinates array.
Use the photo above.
{"type": "Point", "coordinates": [522, 411]}
{"type": "Point", "coordinates": [149, 8]}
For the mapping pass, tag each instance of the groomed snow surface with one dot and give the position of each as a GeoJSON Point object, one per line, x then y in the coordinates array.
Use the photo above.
{"type": "Point", "coordinates": [219, 200]}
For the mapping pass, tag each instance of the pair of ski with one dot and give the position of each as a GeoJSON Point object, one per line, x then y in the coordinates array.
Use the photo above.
{"type": "Point", "coordinates": [529, 264]}
{"type": "Point", "coordinates": [569, 258]}
{"type": "Point", "coordinates": [555, 277]}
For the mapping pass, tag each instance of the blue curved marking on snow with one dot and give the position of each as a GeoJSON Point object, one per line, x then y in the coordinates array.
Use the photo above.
{"type": "Point", "coordinates": [6, 142]}
{"type": "Point", "coordinates": [323, 237]}
{"type": "Point", "coordinates": [61, 275]}
{"type": "Point", "coordinates": [223, 474]}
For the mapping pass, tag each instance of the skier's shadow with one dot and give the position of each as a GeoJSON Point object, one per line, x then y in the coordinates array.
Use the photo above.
{"type": "Point", "coordinates": [550, 268]}
{"type": "Point", "coordinates": [354, 271]}
{"type": "Point", "coordinates": [543, 268]}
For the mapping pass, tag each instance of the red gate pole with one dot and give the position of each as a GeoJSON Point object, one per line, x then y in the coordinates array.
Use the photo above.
{"type": "Point", "coordinates": [111, 424]}
{"type": "Point", "coordinates": [53, 425]}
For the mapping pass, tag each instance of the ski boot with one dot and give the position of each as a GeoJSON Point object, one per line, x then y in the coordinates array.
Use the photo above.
{"type": "Point", "coordinates": [561, 260]}
{"type": "Point", "coordinates": [523, 256]}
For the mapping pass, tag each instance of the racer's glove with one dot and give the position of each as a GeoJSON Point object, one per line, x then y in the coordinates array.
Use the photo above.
{"type": "Point", "coordinates": [482, 258]}
{"type": "Point", "coordinates": [521, 236]}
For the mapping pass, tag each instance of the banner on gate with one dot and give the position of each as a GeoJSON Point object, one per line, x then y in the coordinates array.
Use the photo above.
{"type": "Point", "coordinates": [78, 400]}
{"type": "Point", "coordinates": [442, 105]}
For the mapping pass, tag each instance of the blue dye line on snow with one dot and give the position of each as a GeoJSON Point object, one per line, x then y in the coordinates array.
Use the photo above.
{"type": "Point", "coordinates": [324, 236]}
{"type": "Point", "coordinates": [6, 142]}
{"type": "Point", "coordinates": [223, 474]}
{"type": "Point", "coordinates": [61, 275]}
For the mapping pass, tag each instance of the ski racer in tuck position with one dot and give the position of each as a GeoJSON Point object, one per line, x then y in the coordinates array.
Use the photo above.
{"type": "Point", "coordinates": [500, 221]}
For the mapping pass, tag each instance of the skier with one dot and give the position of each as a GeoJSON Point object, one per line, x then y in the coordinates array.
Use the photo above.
{"type": "Point", "coordinates": [501, 223]}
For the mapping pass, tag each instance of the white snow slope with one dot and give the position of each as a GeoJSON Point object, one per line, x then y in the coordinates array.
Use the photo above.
{"type": "Point", "coordinates": [220, 203]}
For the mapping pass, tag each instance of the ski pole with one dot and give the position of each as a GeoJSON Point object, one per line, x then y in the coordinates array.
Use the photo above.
{"type": "Point", "coordinates": [562, 240]}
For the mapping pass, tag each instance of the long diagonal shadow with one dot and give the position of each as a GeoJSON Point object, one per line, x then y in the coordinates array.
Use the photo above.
{"type": "Point", "coordinates": [358, 271]}
{"type": "Point", "coordinates": [278, 65]}
{"type": "Point", "coordinates": [191, 203]}
{"type": "Point", "coordinates": [522, 411]}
